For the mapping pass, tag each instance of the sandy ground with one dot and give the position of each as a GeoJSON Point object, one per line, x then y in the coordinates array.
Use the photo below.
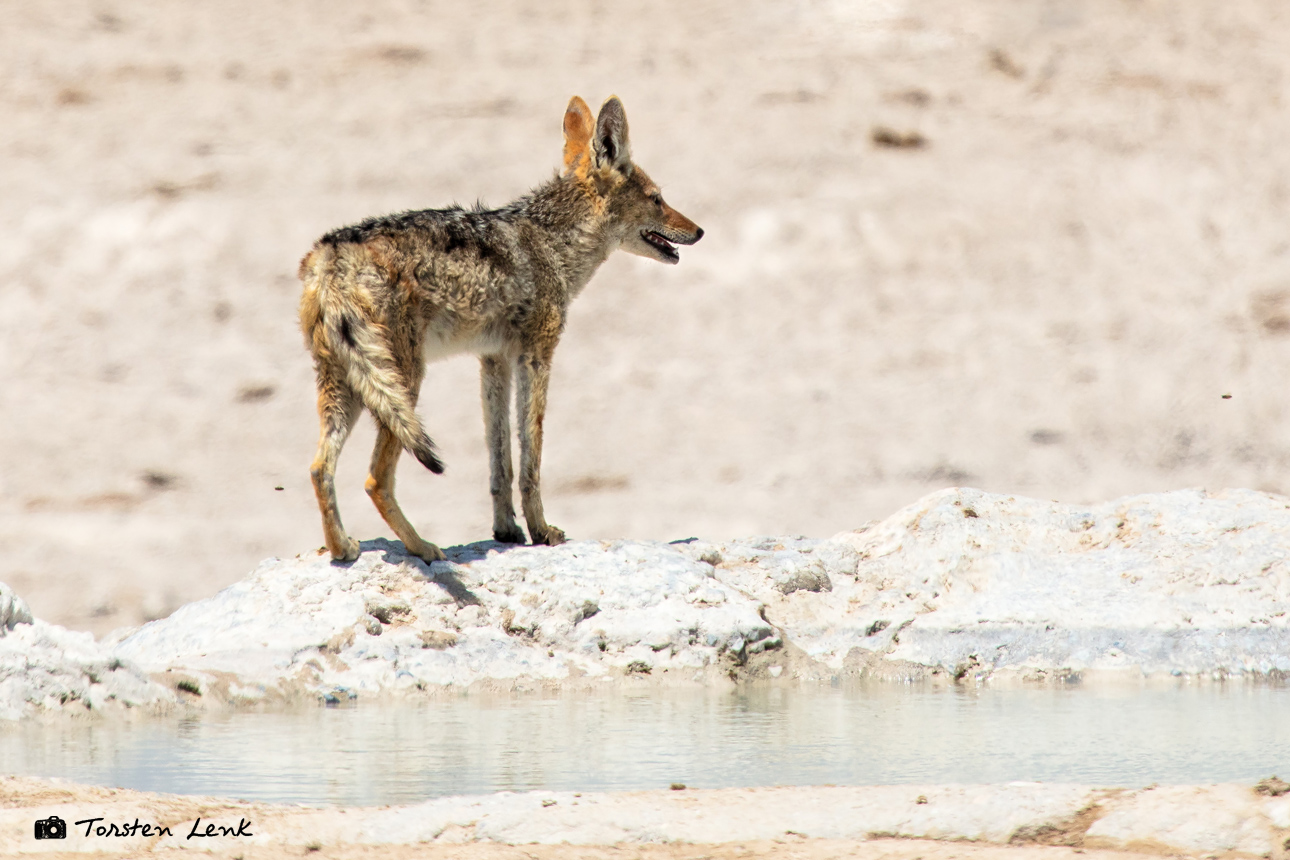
{"type": "Point", "coordinates": [815, 849]}
{"type": "Point", "coordinates": [788, 849]}
{"type": "Point", "coordinates": [294, 831]}
{"type": "Point", "coordinates": [1051, 296]}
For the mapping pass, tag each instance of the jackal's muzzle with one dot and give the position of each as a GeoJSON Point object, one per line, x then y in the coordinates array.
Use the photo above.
{"type": "Point", "coordinates": [662, 241]}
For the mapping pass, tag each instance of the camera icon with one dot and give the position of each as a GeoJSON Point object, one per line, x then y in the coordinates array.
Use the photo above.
{"type": "Point", "coordinates": [52, 827]}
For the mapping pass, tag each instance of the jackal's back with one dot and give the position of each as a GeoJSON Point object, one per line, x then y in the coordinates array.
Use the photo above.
{"type": "Point", "coordinates": [431, 263]}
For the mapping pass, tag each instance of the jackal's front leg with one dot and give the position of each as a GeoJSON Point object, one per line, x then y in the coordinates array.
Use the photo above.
{"type": "Point", "coordinates": [495, 392]}
{"type": "Point", "coordinates": [534, 374]}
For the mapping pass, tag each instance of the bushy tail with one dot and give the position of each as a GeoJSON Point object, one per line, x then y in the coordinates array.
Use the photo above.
{"type": "Point", "coordinates": [370, 370]}
{"type": "Point", "coordinates": [368, 366]}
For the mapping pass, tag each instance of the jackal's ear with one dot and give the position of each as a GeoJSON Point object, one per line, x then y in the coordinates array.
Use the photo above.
{"type": "Point", "coordinates": [577, 136]}
{"type": "Point", "coordinates": [613, 149]}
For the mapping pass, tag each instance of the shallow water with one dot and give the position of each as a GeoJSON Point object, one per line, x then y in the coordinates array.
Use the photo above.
{"type": "Point", "coordinates": [875, 734]}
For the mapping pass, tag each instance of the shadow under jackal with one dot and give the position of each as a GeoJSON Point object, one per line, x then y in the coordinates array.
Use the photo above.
{"type": "Point", "coordinates": [383, 296]}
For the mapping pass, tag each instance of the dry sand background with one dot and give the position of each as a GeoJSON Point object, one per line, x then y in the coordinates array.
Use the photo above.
{"type": "Point", "coordinates": [1048, 298]}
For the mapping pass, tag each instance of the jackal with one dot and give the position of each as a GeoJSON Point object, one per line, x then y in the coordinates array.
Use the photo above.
{"type": "Point", "coordinates": [383, 296]}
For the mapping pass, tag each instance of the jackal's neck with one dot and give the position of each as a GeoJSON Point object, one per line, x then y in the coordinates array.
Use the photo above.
{"type": "Point", "coordinates": [566, 212]}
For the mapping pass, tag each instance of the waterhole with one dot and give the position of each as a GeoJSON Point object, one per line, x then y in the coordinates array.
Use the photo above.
{"type": "Point", "coordinates": [870, 735]}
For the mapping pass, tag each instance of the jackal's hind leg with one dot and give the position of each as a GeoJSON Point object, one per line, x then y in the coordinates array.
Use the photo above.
{"type": "Point", "coordinates": [495, 391]}
{"type": "Point", "coordinates": [380, 487]}
{"type": "Point", "coordinates": [337, 409]}
{"type": "Point", "coordinates": [534, 375]}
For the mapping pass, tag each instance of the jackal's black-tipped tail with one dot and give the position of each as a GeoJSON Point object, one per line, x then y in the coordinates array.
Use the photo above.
{"type": "Point", "coordinates": [371, 371]}
{"type": "Point", "coordinates": [428, 457]}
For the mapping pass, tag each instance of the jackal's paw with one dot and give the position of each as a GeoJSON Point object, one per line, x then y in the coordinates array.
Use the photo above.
{"type": "Point", "coordinates": [509, 534]}
{"type": "Point", "coordinates": [549, 535]}
{"type": "Point", "coordinates": [348, 551]}
{"type": "Point", "coordinates": [427, 552]}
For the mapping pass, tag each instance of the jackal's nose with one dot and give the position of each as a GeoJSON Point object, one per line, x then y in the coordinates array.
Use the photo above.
{"type": "Point", "coordinates": [698, 233]}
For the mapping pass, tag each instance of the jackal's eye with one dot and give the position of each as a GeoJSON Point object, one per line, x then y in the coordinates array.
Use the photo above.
{"type": "Point", "coordinates": [657, 198]}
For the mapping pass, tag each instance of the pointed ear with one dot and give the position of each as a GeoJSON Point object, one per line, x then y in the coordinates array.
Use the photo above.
{"type": "Point", "coordinates": [613, 149]}
{"type": "Point", "coordinates": [577, 136]}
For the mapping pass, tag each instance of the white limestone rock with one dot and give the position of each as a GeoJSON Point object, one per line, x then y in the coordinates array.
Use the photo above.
{"type": "Point", "coordinates": [962, 583]}
{"type": "Point", "coordinates": [971, 583]}
{"type": "Point", "coordinates": [390, 622]}
{"type": "Point", "coordinates": [45, 668]}
{"type": "Point", "coordinates": [13, 610]}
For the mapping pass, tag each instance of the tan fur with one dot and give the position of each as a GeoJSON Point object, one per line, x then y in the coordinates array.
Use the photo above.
{"type": "Point", "coordinates": [384, 296]}
{"type": "Point", "coordinates": [578, 126]}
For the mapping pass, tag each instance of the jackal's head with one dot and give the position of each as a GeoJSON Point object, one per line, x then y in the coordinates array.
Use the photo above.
{"type": "Point", "coordinates": [599, 155]}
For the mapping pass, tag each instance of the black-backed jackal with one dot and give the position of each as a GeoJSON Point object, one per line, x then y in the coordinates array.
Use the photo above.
{"type": "Point", "coordinates": [383, 296]}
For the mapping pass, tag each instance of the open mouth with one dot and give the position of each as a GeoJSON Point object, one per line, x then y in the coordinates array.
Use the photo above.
{"type": "Point", "coordinates": [665, 247]}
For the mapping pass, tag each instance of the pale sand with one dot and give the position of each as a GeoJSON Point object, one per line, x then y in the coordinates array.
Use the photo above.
{"type": "Point", "coordinates": [1049, 298]}
{"type": "Point", "coordinates": [1182, 821]}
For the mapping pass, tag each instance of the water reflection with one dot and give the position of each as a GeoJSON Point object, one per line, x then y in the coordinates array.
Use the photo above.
{"type": "Point", "coordinates": [876, 734]}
